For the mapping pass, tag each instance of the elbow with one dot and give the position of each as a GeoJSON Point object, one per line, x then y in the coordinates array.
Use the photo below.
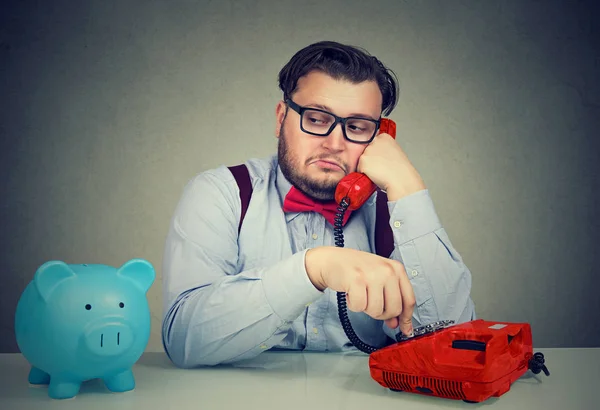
{"type": "Point", "coordinates": [182, 340]}
{"type": "Point", "coordinates": [179, 361]}
{"type": "Point", "coordinates": [188, 351]}
{"type": "Point", "coordinates": [172, 342]}
{"type": "Point", "coordinates": [185, 362]}
{"type": "Point", "coordinates": [177, 348]}
{"type": "Point", "coordinates": [180, 355]}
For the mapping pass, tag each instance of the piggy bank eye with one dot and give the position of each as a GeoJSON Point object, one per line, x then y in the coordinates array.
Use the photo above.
{"type": "Point", "coordinates": [121, 305]}
{"type": "Point", "coordinates": [88, 306]}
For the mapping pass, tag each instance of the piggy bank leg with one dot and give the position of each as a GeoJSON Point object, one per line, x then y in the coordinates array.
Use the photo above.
{"type": "Point", "coordinates": [37, 376]}
{"type": "Point", "coordinates": [120, 382]}
{"type": "Point", "coordinates": [63, 389]}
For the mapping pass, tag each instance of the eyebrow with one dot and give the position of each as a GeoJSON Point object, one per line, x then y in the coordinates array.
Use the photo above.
{"type": "Point", "coordinates": [326, 108]}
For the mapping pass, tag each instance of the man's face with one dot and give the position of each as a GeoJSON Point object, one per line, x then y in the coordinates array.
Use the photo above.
{"type": "Point", "coordinates": [315, 164]}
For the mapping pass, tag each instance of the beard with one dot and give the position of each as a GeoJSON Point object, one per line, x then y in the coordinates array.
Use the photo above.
{"type": "Point", "coordinates": [320, 190]}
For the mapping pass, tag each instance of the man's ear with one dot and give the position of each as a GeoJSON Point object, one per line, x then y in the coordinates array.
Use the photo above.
{"type": "Point", "coordinates": [280, 112]}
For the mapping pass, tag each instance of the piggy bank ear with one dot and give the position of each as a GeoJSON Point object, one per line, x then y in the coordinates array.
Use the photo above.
{"type": "Point", "coordinates": [140, 271]}
{"type": "Point", "coordinates": [50, 275]}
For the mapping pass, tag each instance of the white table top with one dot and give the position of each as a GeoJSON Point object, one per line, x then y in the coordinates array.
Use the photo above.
{"type": "Point", "coordinates": [276, 380]}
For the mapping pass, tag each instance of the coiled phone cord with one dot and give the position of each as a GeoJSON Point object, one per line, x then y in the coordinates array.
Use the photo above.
{"type": "Point", "coordinates": [537, 364]}
{"type": "Point", "coordinates": [338, 235]}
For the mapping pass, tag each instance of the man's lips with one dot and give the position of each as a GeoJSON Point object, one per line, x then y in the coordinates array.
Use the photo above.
{"type": "Point", "coordinates": [328, 164]}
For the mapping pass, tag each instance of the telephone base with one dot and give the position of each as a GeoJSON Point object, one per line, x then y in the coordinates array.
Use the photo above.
{"type": "Point", "coordinates": [472, 361]}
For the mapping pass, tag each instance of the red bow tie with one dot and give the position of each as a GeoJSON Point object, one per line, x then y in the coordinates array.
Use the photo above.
{"type": "Point", "coordinates": [297, 201]}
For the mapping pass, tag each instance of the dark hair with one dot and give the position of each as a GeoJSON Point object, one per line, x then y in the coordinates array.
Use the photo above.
{"type": "Point", "coordinates": [340, 61]}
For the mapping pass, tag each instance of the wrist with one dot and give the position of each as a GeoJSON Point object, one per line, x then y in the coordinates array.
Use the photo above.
{"type": "Point", "coordinates": [403, 187]}
{"type": "Point", "coordinates": [312, 264]}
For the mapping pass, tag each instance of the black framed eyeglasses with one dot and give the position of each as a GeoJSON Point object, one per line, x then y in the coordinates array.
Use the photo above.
{"type": "Point", "coordinates": [319, 122]}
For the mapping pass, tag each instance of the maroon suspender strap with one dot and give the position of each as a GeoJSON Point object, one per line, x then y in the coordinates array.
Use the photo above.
{"type": "Point", "coordinates": [242, 177]}
{"type": "Point", "coordinates": [384, 238]}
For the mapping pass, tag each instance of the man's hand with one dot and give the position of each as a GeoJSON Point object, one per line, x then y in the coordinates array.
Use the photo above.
{"type": "Point", "coordinates": [375, 285]}
{"type": "Point", "coordinates": [387, 165]}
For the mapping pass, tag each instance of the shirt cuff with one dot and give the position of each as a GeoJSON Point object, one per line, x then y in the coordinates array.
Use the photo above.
{"type": "Point", "coordinates": [287, 287]}
{"type": "Point", "coordinates": [412, 217]}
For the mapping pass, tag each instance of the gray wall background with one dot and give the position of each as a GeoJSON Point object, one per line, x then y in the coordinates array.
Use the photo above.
{"type": "Point", "coordinates": [109, 107]}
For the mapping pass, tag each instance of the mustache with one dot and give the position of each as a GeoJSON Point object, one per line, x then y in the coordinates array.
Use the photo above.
{"type": "Point", "coordinates": [329, 158]}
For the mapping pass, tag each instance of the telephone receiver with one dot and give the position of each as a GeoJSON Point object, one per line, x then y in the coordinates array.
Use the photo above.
{"type": "Point", "coordinates": [357, 187]}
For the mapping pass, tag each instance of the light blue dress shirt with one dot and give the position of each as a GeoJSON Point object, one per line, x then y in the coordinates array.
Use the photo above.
{"type": "Point", "coordinates": [229, 297]}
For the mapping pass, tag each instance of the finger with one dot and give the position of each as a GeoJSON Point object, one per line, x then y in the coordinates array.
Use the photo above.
{"type": "Point", "coordinates": [356, 297]}
{"type": "Point", "coordinates": [392, 323]}
{"type": "Point", "coordinates": [408, 304]}
{"type": "Point", "coordinates": [374, 300]}
{"type": "Point", "coordinates": [392, 299]}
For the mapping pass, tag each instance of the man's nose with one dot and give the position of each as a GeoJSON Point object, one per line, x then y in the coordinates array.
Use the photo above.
{"type": "Point", "coordinates": [335, 140]}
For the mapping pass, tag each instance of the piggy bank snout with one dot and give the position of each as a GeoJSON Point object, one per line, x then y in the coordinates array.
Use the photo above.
{"type": "Point", "coordinates": [109, 339]}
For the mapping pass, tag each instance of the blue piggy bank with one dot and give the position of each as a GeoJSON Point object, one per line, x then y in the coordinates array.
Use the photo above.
{"type": "Point", "coordinates": [79, 322]}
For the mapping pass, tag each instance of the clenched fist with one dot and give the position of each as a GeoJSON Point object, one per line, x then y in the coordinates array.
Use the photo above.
{"type": "Point", "coordinates": [373, 284]}
{"type": "Point", "coordinates": [387, 165]}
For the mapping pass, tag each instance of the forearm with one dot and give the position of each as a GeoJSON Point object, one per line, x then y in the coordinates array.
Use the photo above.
{"type": "Point", "coordinates": [237, 316]}
{"type": "Point", "coordinates": [440, 279]}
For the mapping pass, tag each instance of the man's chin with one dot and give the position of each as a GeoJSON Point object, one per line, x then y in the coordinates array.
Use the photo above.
{"type": "Point", "coordinates": [326, 175]}
{"type": "Point", "coordinates": [323, 190]}
{"type": "Point", "coordinates": [328, 182]}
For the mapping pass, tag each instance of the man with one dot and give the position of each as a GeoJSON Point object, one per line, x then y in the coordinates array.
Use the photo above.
{"type": "Point", "coordinates": [229, 296]}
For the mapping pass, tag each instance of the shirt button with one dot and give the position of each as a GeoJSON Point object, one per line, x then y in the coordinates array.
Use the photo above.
{"type": "Point", "coordinates": [397, 224]}
{"type": "Point", "coordinates": [315, 236]}
{"type": "Point", "coordinates": [414, 273]}
{"type": "Point", "coordinates": [315, 330]}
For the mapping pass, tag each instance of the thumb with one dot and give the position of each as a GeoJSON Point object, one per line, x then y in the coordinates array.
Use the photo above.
{"type": "Point", "coordinates": [406, 326]}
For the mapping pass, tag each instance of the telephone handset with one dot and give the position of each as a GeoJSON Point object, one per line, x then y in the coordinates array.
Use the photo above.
{"type": "Point", "coordinates": [351, 193]}
{"type": "Point", "coordinates": [357, 187]}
